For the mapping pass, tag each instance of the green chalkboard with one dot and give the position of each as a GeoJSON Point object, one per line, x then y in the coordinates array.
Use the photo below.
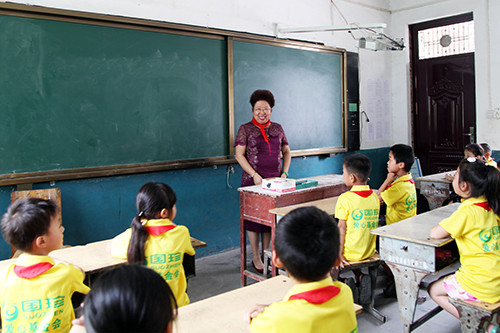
{"type": "Point", "coordinates": [76, 95]}
{"type": "Point", "coordinates": [307, 87]}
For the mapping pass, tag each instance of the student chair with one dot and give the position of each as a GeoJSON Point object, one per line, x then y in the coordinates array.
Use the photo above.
{"type": "Point", "coordinates": [53, 194]}
{"type": "Point", "coordinates": [475, 316]}
{"type": "Point", "coordinates": [372, 265]}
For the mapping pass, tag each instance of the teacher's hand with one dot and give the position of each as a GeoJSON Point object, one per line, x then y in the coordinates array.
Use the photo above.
{"type": "Point", "coordinates": [284, 175]}
{"type": "Point", "coordinates": [257, 179]}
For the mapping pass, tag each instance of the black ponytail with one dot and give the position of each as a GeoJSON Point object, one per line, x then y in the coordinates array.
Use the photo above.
{"type": "Point", "coordinates": [150, 200]}
{"type": "Point", "coordinates": [136, 249]}
{"type": "Point", "coordinates": [483, 179]}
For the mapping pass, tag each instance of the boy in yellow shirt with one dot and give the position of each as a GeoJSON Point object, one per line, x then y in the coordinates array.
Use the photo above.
{"type": "Point", "coordinates": [487, 154]}
{"type": "Point", "coordinates": [35, 292]}
{"type": "Point", "coordinates": [398, 190]}
{"type": "Point", "coordinates": [357, 211]}
{"type": "Point", "coordinates": [307, 246]}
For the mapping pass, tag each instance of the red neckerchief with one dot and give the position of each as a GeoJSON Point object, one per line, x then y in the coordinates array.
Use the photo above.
{"type": "Point", "coordinates": [364, 194]}
{"type": "Point", "coordinates": [263, 131]}
{"type": "Point", "coordinates": [408, 180]}
{"type": "Point", "coordinates": [28, 272]}
{"type": "Point", "coordinates": [484, 205]}
{"type": "Point", "coordinates": [158, 230]}
{"type": "Point", "coordinates": [317, 296]}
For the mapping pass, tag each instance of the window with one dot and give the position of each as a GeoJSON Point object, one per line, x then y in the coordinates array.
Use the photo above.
{"type": "Point", "coordinates": [446, 40]}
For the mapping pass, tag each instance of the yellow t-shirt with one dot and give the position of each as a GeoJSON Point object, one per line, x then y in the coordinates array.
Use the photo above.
{"type": "Point", "coordinates": [360, 211]}
{"type": "Point", "coordinates": [164, 254]}
{"type": "Point", "coordinates": [401, 199]}
{"type": "Point", "coordinates": [476, 232]}
{"type": "Point", "coordinates": [41, 303]}
{"type": "Point", "coordinates": [289, 316]}
{"type": "Point", "coordinates": [492, 162]}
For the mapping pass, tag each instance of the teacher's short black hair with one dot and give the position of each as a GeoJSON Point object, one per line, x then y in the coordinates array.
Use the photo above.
{"type": "Point", "coordinates": [262, 95]}
{"type": "Point", "coordinates": [307, 243]}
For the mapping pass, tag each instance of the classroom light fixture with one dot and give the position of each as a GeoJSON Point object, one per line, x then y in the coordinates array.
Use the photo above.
{"type": "Point", "coordinates": [345, 27]}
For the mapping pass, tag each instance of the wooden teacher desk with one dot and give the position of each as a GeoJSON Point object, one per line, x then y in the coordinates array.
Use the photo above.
{"type": "Point", "coordinates": [227, 312]}
{"type": "Point", "coordinates": [95, 257]}
{"type": "Point", "coordinates": [411, 254]}
{"type": "Point", "coordinates": [256, 202]}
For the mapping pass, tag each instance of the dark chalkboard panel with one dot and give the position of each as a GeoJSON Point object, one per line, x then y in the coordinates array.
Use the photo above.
{"type": "Point", "coordinates": [307, 86]}
{"type": "Point", "coordinates": [79, 95]}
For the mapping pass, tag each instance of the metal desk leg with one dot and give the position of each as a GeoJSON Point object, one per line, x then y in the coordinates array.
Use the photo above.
{"type": "Point", "coordinates": [372, 270]}
{"type": "Point", "coordinates": [407, 286]}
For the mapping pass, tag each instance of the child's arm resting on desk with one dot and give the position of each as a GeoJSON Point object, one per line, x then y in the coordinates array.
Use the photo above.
{"type": "Point", "coordinates": [439, 232]}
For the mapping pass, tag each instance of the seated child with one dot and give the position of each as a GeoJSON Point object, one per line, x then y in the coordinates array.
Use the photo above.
{"type": "Point", "coordinates": [474, 226]}
{"type": "Point", "coordinates": [35, 292]}
{"type": "Point", "coordinates": [357, 211]}
{"type": "Point", "coordinates": [487, 154]}
{"type": "Point", "coordinates": [307, 246]}
{"type": "Point", "coordinates": [150, 304]}
{"type": "Point", "coordinates": [398, 190]}
{"type": "Point", "coordinates": [154, 240]}
{"type": "Point", "coordinates": [474, 150]}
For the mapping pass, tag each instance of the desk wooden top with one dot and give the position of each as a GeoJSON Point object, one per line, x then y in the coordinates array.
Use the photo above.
{"type": "Point", "coordinates": [327, 205]}
{"type": "Point", "coordinates": [436, 178]}
{"type": "Point", "coordinates": [227, 312]}
{"type": "Point", "coordinates": [323, 182]}
{"type": "Point", "coordinates": [91, 257]}
{"type": "Point", "coordinates": [416, 229]}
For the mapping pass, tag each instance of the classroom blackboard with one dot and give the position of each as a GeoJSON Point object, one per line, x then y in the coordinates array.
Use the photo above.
{"type": "Point", "coordinates": [306, 84]}
{"type": "Point", "coordinates": [76, 95]}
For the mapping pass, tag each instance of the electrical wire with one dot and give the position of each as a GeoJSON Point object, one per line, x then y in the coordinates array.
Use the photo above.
{"type": "Point", "coordinates": [343, 17]}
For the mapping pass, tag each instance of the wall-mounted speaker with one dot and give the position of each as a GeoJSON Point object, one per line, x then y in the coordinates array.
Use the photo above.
{"type": "Point", "coordinates": [352, 101]}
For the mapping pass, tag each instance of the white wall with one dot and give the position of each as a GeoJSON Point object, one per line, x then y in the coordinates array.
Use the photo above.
{"type": "Point", "coordinates": [388, 110]}
{"type": "Point", "coordinates": [487, 67]}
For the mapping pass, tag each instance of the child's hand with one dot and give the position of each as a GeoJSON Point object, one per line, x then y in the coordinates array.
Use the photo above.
{"type": "Point", "coordinates": [78, 326]}
{"type": "Point", "coordinates": [255, 311]}
{"type": "Point", "coordinates": [450, 175]}
{"type": "Point", "coordinates": [391, 176]}
{"type": "Point", "coordinates": [343, 261]}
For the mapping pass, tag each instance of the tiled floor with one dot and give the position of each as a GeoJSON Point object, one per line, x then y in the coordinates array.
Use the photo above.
{"type": "Point", "coordinates": [220, 273]}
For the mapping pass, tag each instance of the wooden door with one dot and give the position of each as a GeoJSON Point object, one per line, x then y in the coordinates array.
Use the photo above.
{"type": "Point", "coordinates": [444, 112]}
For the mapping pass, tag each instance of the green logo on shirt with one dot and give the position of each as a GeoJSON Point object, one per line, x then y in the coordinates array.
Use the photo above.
{"type": "Point", "coordinates": [357, 214]}
{"type": "Point", "coordinates": [411, 202]}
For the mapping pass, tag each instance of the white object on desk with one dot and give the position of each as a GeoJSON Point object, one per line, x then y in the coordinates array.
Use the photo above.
{"type": "Point", "coordinates": [279, 185]}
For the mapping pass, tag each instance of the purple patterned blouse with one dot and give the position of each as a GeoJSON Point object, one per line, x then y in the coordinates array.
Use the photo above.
{"type": "Point", "coordinates": [257, 151]}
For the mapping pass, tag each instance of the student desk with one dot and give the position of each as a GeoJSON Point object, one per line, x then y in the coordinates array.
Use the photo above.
{"type": "Point", "coordinates": [256, 202]}
{"type": "Point", "coordinates": [327, 205]}
{"type": "Point", "coordinates": [411, 254]}
{"type": "Point", "coordinates": [227, 312]}
{"type": "Point", "coordinates": [95, 257]}
{"type": "Point", "coordinates": [435, 188]}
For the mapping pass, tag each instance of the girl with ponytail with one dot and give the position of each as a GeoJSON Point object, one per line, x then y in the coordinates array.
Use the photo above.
{"type": "Point", "coordinates": [154, 240]}
{"type": "Point", "coordinates": [475, 228]}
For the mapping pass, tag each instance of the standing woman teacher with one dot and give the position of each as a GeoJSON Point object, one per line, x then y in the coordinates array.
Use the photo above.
{"type": "Point", "coordinates": [259, 145]}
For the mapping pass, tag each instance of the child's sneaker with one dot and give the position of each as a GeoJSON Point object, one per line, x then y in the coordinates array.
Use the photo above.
{"type": "Point", "coordinates": [352, 284]}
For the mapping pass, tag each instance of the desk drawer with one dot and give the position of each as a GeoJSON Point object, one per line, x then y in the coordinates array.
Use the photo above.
{"type": "Point", "coordinates": [405, 253]}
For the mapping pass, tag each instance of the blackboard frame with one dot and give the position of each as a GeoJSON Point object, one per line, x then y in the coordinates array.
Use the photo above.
{"type": "Point", "coordinates": [149, 25]}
